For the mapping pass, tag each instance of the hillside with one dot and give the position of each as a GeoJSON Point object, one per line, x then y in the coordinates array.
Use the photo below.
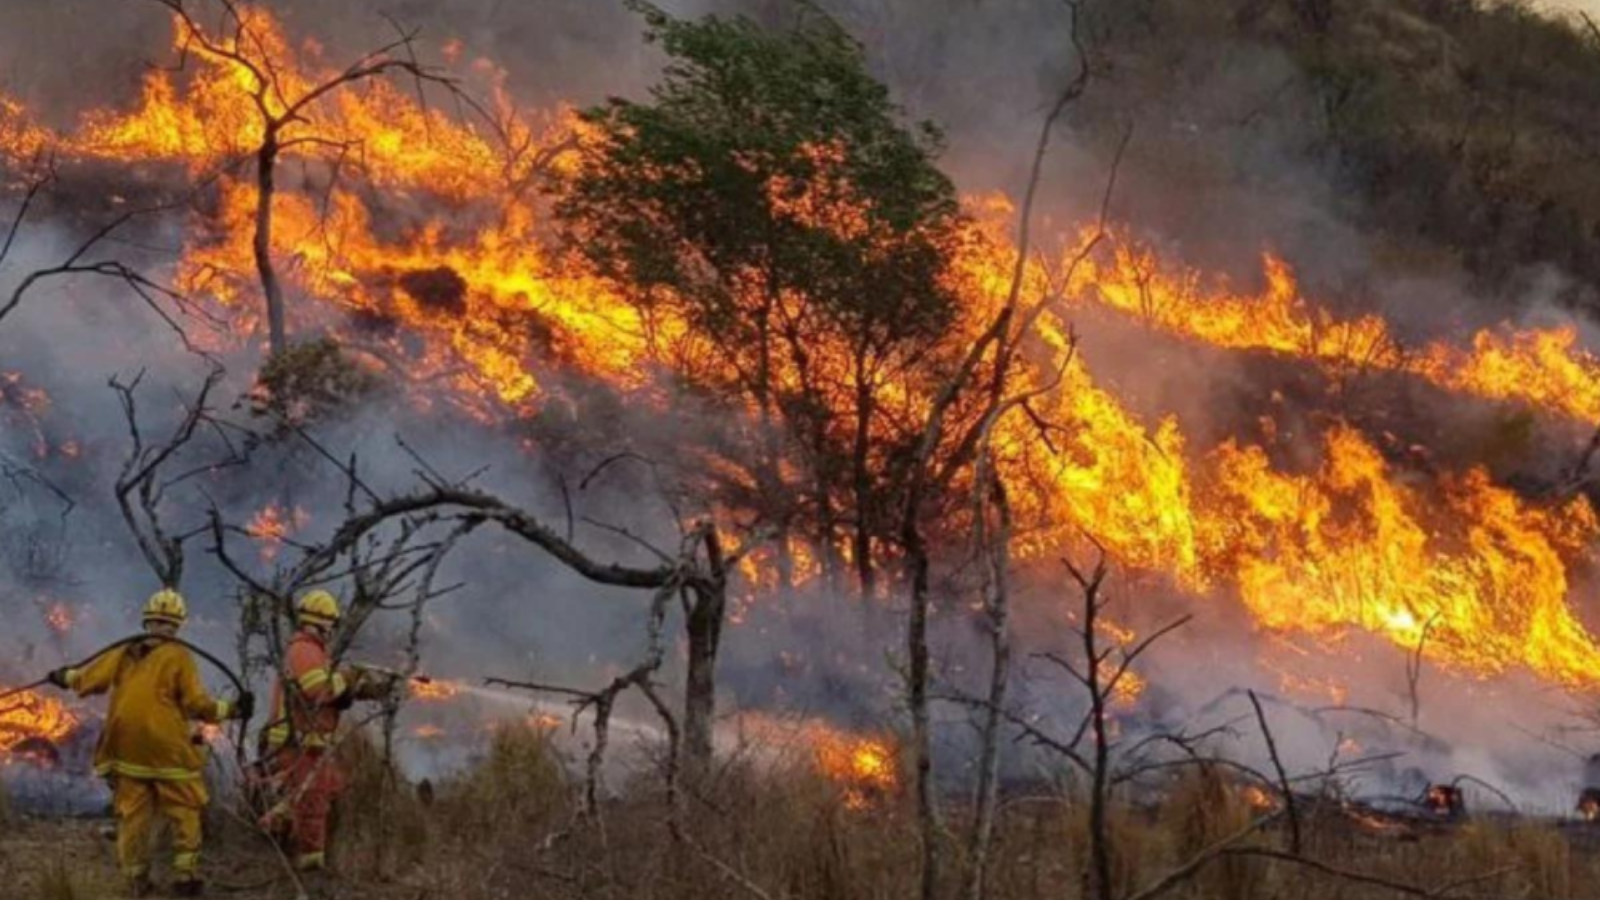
{"type": "Point", "coordinates": [1449, 134]}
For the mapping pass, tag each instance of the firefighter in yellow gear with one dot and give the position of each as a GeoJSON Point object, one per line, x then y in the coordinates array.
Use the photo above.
{"type": "Point", "coordinates": [146, 751]}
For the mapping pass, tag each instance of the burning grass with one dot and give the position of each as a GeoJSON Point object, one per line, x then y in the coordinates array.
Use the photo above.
{"type": "Point", "coordinates": [33, 716]}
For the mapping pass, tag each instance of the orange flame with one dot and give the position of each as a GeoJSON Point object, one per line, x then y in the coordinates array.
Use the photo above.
{"type": "Point", "coordinates": [864, 768]}
{"type": "Point", "coordinates": [426, 256]}
{"type": "Point", "coordinates": [33, 715]}
{"type": "Point", "coordinates": [434, 689]}
{"type": "Point", "coordinates": [1542, 368]}
{"type": "Point", "coordinates": [271, 525]}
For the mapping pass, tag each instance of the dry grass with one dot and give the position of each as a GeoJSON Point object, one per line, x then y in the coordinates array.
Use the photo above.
{"type": "Point", "coordinates": [507, 828]}
{"type": "Point", "coordinates": [56, 883]}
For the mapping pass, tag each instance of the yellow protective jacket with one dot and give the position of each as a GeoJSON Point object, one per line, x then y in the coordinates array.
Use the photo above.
{"type": "Point", "coordinates": [155, 692]}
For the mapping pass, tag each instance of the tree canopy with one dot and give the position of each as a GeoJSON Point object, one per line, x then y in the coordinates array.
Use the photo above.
{"type": "Point", "coordinates": [771, 196]}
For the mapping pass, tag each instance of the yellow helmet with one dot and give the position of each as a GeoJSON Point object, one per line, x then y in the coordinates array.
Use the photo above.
{"type": "Point", "coordinates": [317, 608]}
{"type": "Point", "coordinates": [166, 605]}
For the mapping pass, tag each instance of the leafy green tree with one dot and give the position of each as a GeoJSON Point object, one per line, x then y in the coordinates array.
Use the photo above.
{"type": "Point", "coordinates": [770, 196]}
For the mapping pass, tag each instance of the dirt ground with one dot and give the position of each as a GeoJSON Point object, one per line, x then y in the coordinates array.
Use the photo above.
{"type": "Point", "coordinates": [75, 859]}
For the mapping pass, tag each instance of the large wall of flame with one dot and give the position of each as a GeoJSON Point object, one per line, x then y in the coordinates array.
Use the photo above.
{"type": "Point", "coordinates": [1317, 538]}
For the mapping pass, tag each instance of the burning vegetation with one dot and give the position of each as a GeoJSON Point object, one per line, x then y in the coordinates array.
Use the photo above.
{"type": "Point", "coordinates": [31, 719]}
{"type": "Point", "coordinates": [758, 296]}
{"type": "Point", "coordinates": [468, 288]}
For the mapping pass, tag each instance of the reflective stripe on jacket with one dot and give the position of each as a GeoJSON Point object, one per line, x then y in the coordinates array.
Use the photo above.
{"type": "Point", "coordinates": [155, 692]}
{"type": "Point", "coordinates": [306, 713]}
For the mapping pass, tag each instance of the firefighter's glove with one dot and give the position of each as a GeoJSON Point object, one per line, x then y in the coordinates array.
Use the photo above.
{"type": "Point", "coordinates": [352, 682]}
{"type": "Point", "coordinates": [377, 686]}
{"type": "Point", "coordinates": [244, 707]}
{"type": "Point", "coordinates": [60, 677]}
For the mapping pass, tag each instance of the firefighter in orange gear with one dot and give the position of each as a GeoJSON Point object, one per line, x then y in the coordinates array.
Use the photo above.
{"type": "Point", "coordinates": [146, 750]}
{"type": "Point", "coordinates": [299, 739]}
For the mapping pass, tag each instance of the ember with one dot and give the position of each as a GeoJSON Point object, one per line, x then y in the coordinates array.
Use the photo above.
{"type": "Point", "coordinates": [60, 617]}
{"type": "Point", "coordinates": [423, 688]}
{"type": "Point", "coordinates": [1258, 797]}
{"type": "Point", "coordinates": [1445, 801]}
{"type": "Point", "coordinates": [1588, 807]}
{"type": "Point", "coordinates": [33, 751]}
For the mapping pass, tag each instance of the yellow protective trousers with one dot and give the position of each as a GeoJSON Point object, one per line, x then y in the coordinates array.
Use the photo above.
{"type": "Point", "coordinates": [138, 803]}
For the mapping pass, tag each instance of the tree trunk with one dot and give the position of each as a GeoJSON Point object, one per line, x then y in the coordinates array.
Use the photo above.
{"type": "Point", "coordinates": [862, 540]}
{"type": "Point", "coordinates": [700, 692]}
{"type": "Point", "coordinates": [704, 627]}
{"type": "Point", "coordinates": [917, 699]}
{"type": "Point", "coordinates": [771, 471]}
{"type": "Point", "coordinates": [997, 608]}
{"type": "Point", "coordinates": [827, 516]}
{"type": "Point", "coordinates": [1099, 837]}
{"type": "Point", "coordinates": [266, 166]}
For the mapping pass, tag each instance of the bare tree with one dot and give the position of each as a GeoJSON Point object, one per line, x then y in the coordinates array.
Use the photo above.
{"type": "Point", "coordinates": [1109, 762]}
{"type": "Point", "coordinates": [935, 465]}
{"type": "Point", "coordinates": [287, 119]}
{"type": "Point", "coordinates": [358, 551]}
{"type": "Point", "coordinates": [87, 259]}
{"type": "Point", "coordinates": [144, 480]}
{"type": "Point", "coordinates": [1101, 686]}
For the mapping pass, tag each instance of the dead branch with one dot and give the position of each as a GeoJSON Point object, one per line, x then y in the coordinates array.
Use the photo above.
{"type": "Point", "coordinates": [1414, 669]}
{"type": "Point", "coordinates": [17, 473]}
{"type": "Point", "coordinates": [139, 488]}
{"type": "Point", "coordinates": [1473, 779]}
{"type": "Point", "coordinates": [383, 567]}
{"type": "Point", "coordinates": [41, 178]}
{"type": "Point", "coordinates": [1203, 858]}
{"type": "Point", "coordinates": [149, 291]}
{"type": "Point", "coordinates": [1099, 702]}
{"type": "Point", "coordinates": [602, 702]}
{"type": "Point", "coordinates": [1377, 715]}
{"type": "Point", "coordinates": [1578, 475]}
{"type": "Point", "coordinates": [1066, 749]}
{"type": "Point", "coordinates": [1283, 776]}
{"type": "Point", "coordinates": [1399, 887]}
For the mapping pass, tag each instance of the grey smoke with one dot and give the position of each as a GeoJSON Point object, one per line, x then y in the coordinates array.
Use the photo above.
{"type": "Point", "coordinates": [1216, 172]}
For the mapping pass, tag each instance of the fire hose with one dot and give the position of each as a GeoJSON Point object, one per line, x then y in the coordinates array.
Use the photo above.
{"type": "Point", "coordinates": [238, 683]}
